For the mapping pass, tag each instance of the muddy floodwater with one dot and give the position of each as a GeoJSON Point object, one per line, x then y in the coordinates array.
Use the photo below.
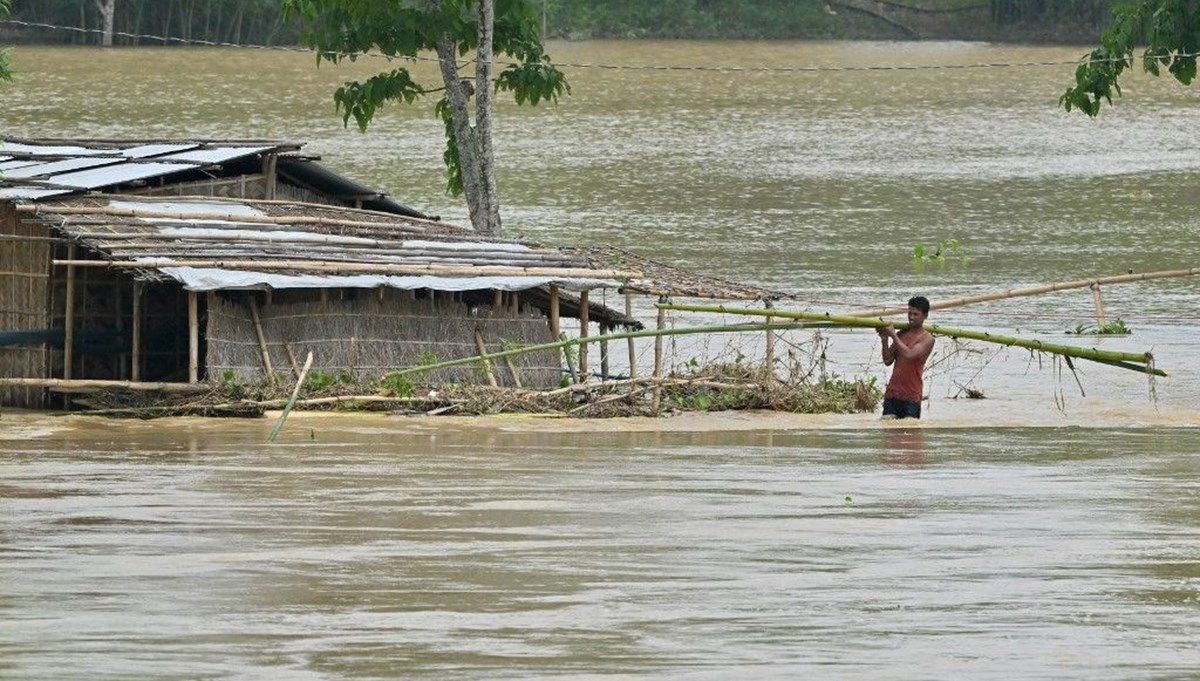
{"type": "Point", "coordinates": [368, 547]}
{"type": "Point", "coordinates": [1047, 531]}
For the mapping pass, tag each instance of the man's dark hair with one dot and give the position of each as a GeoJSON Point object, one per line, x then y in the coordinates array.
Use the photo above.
{"type": "Point", "coordinates": [919, 302]}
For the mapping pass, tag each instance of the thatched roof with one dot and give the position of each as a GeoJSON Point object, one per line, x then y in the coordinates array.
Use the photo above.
{"type": "Point", "coordinates": [209, 244]}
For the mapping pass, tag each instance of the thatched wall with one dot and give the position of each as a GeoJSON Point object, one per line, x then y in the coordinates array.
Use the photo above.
{"type": "Point", "coordinates": [367, 334]}
{"type": "Point", "coordinates": [24, 304]}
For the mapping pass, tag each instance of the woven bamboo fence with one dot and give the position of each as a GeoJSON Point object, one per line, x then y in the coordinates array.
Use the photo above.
{"type": "Point", "coordinates": [368, 335]}
{"type": "Point", "coordinates": [24, 297]}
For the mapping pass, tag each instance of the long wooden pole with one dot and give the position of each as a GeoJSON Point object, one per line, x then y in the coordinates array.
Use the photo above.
{"type": "Point", "coordinates": [135, 370]}
{"type": "Point", "coordinates": [88, 384]}
{"type": "Point", "coordinates": [1032, 291]}
{"type": "Point", "coordinates": [583, 333]}
{"type": "Point", "coordinates": [487, 364]}
{"type": "Point", "coordinates": [335, 266]}
{"type": "Point", "coordinates": [1105, 356]}
{"type": "Point", "coordinates": [69, 320]}
{"type": "Point", "coordinates": [569, 342]}
{"type": "Point", "coordinates": [632, 351]}
{"type": "Point", "coordinates": [262, 338]}
{"type": "Point", "coordinates": [193, 305]}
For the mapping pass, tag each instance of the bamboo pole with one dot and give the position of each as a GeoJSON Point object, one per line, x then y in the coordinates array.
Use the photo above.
{"type": "Point", "coordinates": [583, 333]}
{"type": "Point", "coordinates": [287, 348]}
{"type": "Point", "coordinates": [262, 338]}
{"type": "Point", "coordinates": [336, 267]}
{"type": "Point", "coordinates": [483, 358]}
{"type": "Point", "coordinates": [1106, 356]}
{"type": "Point", "coordinates": [1033, 291]}
{"type": "Point", "coordinates": [569, 342]}
{"type": "Point", "coordinates": [629, 341]}
{"type": "Point", "coordinates": [69, 319]}
{"type": "Point", "coordinates": [555, 320]}
{"type": "Point", "coordinates": [603, 352]}
{"type": "Point", "coordinates": [660, 328]}
{"type": "Point", "coordinates": [135, 370]}
{"type": "Point", "coordinates": [658, 344]}
{"type": "Point", "coordinates": [193, 304]}
{"type": "Point", "coordinates": [292, 400]}
{"type": "Point", "coordinates": [770, 347]}
{"type": "Point", "coordinates": [1100, 320]}
{"type": "Point", "coordinates": [88, 384]}
{"type": "Point", "coordinates": [512, 368]}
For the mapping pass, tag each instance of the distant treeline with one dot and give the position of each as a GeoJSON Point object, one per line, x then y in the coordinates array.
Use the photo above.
{"type": "Point", "coordinates": [260, 21]}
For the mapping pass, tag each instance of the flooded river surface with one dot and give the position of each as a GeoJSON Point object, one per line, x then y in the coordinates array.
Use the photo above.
{"type": "Point", "coordinates": [1048, 531]}
{"type": "Point", "coordinates": [383, 547]}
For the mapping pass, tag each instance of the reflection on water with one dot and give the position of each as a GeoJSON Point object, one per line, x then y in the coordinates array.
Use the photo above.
{"type": "Point", "coordinates": [904, 445]}
{"type": "Point", "coordinates": [388, 549]}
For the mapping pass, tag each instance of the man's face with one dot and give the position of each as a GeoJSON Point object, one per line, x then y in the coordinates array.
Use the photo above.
{"type": "Point", "coordinates": [915, 317]}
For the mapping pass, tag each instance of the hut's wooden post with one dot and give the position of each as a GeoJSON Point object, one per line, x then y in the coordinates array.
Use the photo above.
{"type": "Point", "coordinates": [629, 341]}
{"type": "Point", "coordinates": [1101, 320]}
{"type": "Point", "coordinates": [770, 360]}
{"type": "Point", "coordinates": [583, 333]}
{"type": "Point", "coordinates": [487, 364]}
{"type": "Point", "coordinates": [554, 318]}
{"type": "Point", "coordinates": [119, 320]}
{"type": "Point", "coordinates": [658, 355]}
{"type": "Point", "coordinates": [135, 369]}
{"type": "Point", "coordinates": [497, 299]}
{"type": "Point", "coordinates": [658, 340]}
{"type": "Point", "coordinates": [69, 319]}
{"type": "Point", "coordinates": [193, 303]}
{"type": "Point", "coordinates": [262, 338]}
{"type": "Point", "coordinates": [270, 162]}
{"type": "Point", "coordinates": [603, 353]}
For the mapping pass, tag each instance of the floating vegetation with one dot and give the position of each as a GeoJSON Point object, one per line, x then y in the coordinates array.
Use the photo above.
{"type": "Point", "coordinates": [1116, 327]}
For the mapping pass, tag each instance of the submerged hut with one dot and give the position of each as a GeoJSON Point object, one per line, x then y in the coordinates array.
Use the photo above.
{"type": "Point", "coordinates": [169, 265]}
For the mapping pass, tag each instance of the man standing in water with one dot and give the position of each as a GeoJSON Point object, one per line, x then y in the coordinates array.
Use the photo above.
{"type": "Point", "coordinates": [908, 349]}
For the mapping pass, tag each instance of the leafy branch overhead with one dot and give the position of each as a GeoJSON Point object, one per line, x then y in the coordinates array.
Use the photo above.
{"type": "Point", "coordinates": [1170, 29]}
{"type": "Point", "coordinates": [453, 30]}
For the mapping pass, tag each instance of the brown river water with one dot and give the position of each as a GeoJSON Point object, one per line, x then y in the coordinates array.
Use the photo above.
{"type": "Point", "coordinates": [1049, 531]}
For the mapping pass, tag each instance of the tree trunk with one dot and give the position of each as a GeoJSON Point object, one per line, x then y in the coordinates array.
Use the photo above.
{"type": "Point", "coordinates": [483, 114]}
{"type": "Point", "coordinates": [474, 142]}
{"type": "Point", "coordinates": [108, 11]}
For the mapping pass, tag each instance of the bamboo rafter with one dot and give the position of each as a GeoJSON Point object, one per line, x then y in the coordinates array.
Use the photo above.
{"type": "Point", "coordinates": [334, 267]}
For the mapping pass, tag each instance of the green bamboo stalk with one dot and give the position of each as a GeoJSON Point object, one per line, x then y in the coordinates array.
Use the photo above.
{"type": "Point", "coordinates": [287, 409]}
{"type": "Point", "coordinates": [1143, 362]}
{"type": "Point", "coordinates": [649, 333]}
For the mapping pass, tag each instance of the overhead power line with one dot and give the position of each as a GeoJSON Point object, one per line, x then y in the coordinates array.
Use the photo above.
{"type": "Point", "coordinates": [610, 67]}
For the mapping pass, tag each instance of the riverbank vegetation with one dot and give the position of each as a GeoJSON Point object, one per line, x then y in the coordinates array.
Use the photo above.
{"type": "Point", "coordinates": [133, 22]}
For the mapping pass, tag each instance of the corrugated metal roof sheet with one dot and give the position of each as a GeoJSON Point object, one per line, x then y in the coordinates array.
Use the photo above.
{"type": "Point", "coordinates": [49, 162]}
{"type": "Point", "coordinates": [20, 148]}
{"type": "Point", "coordinates": [9, 165]}
{"type": "Point", "coordinates": [219, 155]}
{"type": "Point", "coordinates": [43, 170]}
{"type": "Point", "coordinates": [148, 150]}
{"type": "Point", "coordinates": [118, 174]}
{"type": "Point", "coordinates": [29, 193]}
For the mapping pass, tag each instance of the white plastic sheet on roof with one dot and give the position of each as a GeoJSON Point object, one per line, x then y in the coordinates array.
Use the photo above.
{"type": "Point", "coordinates": [211, 279]}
